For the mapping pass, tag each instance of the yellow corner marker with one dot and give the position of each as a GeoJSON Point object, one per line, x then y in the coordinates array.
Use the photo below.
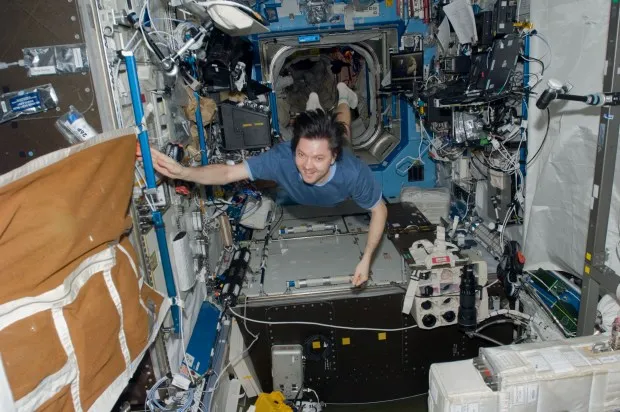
{"type": "Point", "coordinates": [316, 345]}
{"type": "Point", "coordinates": [346, 341]}
{"type": "Point", "coordinates": [588, 256]}
{"type": "Point", "coordinates": [382, 336]}
{"type": "Point", "coordinates": [587, 270]}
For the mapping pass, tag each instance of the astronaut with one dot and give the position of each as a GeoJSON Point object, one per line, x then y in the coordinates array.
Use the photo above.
{"type": "Point", "coordinates": [316, 168]}
{"type": "Point", "coordinates": [412, 67]}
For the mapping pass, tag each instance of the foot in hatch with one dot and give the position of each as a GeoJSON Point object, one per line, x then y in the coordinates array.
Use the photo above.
{"type": "Point", "coordinates": [346, 95]}
{"type": "Point", "coordinates": [313, 102]}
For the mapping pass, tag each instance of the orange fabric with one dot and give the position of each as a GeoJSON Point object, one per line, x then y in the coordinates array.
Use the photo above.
{"type": "Point", "coordinates": [59, 214]}
{"type": "Point", "coordinates": [61, 402]}
{"type": "Point", "coordinates": [30, 341]}
{"type": "Point", "coordinates": [135, 319]}
{"type": "Point", "coordinates": [50, 222]}
{"type": "Point", "coordinates": [94, 325]}
{"type": "Point", "coordinates": [151, 299]}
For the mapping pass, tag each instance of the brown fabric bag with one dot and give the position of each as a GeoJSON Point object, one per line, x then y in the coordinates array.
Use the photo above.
{"type": "Point", "coordinates": [74, 313]}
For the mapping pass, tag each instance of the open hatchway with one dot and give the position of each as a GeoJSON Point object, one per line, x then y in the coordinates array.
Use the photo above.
{"type": "Point", "coordinates": [297, 65]}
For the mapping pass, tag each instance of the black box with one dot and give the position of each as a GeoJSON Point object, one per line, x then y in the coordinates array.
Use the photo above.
{"type": "Point", "coordinates": [438, 114]}
{"type": "Point", "coordinates": [456, 64]}
{"type": "Point", "coordinates": [484, 28]}
{"type": "Point", "coordinates": [504, 15]}
{"type": "Point", "coordinates": [244, 128]}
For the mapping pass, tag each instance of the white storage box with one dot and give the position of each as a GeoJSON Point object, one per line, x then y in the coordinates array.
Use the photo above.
{"type": "Point", "coordinates": [564, 375]}
{"type": "Point", "coordinates": [458, 386]}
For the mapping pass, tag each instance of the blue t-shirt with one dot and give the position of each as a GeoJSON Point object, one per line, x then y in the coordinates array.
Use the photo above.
{"type": "Point", "coordinates": [348, 178]}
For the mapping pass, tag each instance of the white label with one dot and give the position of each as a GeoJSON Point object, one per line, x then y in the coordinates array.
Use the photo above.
{"type": "Point", "coordinates": [181, 382]}
{"type": "Point", "coordinates": [532, 393]}
{"type": "Point", "coordinates": [595, 191]}
{"type": "Point", "coordinates": [349, 12]}
{"type": "Point", "coordinates": [504, 3]}
{"type": "Point", "coordinates": [607, 359]}
{"type": "Point", "coordinates": [504, 402]}
{"type": "Point", "coordinates": [82, 129]}
{"type": "Point", "coordinates": [576, 358]}
{"type": "Point", "coordinates": [538, 363]}
{"type": "Point", "coordinates": [4, 109]}
{"type": "Point", "coordinates": [501, 25]}
{"type": "Point", "coordinates": [473, 407]}
{"type": "Point", "coordinates": [507, 360]}
{"type": "Point", "coordinates": [77, 57]}
{"type": "Point", "coordinates": [43, 70]}
{"type": "Point", "coordinates": [371, 11]}
{"type": "Point", "coordinates": [518, 395]}
{"type": "Point", "coordinates": [558, 362]}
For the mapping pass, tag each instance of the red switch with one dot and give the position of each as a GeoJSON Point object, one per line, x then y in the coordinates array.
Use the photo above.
{"type": "Point", "coordinates": [520, 257]}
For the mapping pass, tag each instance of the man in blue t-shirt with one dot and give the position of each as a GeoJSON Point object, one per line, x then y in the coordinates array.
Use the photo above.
{"type": "Point", "coordinates": [315, 168]}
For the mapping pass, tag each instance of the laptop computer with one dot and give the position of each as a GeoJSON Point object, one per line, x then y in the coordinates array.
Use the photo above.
{"type": "Point", "coordinates": [489, 76]}
{"type": "Point", "coordinates": [491, 71]}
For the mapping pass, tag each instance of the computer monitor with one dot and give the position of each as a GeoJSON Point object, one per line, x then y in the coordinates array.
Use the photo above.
{"type": "Point", "coordinates": [407, 66]}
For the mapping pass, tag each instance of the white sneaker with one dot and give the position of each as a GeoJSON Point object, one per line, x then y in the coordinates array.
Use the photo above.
{"type": "Point", "coordinates": [313, 102]}
{"type": "Point", "coordinates": [346, 95]}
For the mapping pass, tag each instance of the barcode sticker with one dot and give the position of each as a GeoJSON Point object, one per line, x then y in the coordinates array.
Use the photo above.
{"type": "Point", "coordinates": [77, 57]}
{"type": "Point", "coordinates": [532, 393]}
{"type": "Point", "coordinates": [518, 395]}
{"type": "Point", "coordinates": [473, 407]}
{"type": "Point", "coordinates": [43, 70]}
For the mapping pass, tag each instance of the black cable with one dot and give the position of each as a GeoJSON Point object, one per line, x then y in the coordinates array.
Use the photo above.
{"type": "Point", "coordinates": [542, 73]}
{"type": "Point", "coordinates": [486, 176]}
{"type": "Point", "coordinates": [544, 139]}
{"type": "Point", "coordinates": [275, 226]}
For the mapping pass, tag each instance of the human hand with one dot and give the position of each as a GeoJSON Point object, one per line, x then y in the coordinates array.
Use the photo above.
{"type": "Point", "coordinates": [362, 270]}
{"type": "Point", "coordinates": [168, 166]}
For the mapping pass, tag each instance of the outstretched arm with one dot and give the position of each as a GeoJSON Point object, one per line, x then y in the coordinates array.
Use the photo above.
{"type": "Point", "coordinates": [215, 174]}
{"type": "Point", "coordinates": [375, 233]}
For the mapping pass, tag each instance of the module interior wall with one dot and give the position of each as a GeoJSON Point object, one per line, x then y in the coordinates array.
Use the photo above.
{"type": "Point", "coordinates": [32, 23]}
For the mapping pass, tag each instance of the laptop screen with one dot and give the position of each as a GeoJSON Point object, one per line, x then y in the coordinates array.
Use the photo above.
{"type": "Point", "coordinates": [407, 66]}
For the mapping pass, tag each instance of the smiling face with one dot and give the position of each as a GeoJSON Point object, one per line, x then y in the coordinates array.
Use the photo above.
{"type": "Point", "coordinates": [313, 158]}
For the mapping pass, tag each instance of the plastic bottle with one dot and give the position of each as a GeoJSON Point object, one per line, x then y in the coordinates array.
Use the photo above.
{"type": "Point", "coordinates": [80, 127]}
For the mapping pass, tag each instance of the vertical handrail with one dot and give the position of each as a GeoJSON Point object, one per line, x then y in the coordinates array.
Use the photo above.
{"type": "Point", "coordinates": [151, 185]}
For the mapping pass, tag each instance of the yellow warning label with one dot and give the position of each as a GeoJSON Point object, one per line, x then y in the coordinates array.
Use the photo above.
{"type": "Point", "coordinates": [587, 270]}
{"type": "Point", "coordinates": [246, 125]}
{"type": "Point", "coordinates": [316, 344]}
{"type": "Point", "coordinates": [382, 336]}
{"type": "Point", "coordinates": [588, 256]}
{"type": "Point", "coordinates": [346, 341]}
{"type": "Point", "coordinates": [389, 3]}
{"type": "Point", "coordinates": [259, 124]}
